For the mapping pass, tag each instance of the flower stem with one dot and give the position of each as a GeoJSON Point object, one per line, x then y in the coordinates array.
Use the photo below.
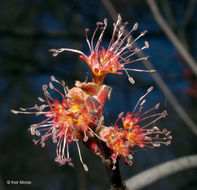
{"type": "Point", "coordinates": [116, 180]}
{"type": "Point", "coordinates": [98, 79]}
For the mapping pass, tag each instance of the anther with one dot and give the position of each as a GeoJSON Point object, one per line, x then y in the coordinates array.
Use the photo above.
{"type": "Point", "coordinates": [99, 23]}
{"type": "Point", "coordinates": [22, 109]}
{"type": "Point", "coordinates": [37, 133]}
{"type": "Point", "coordinates": [87, 30]}
{"type": "Point", "coordinates": [14, 111]}
{"type": "Point", "coordinates": [146, 44]}
{"type": "Point", "coordinates": [150, 89]}
{"type": "Point", "coordinates": [35, 141]}
{"type": "Point", "coordinates": [44, 87]}
{"type": "Point", "coordinates": [85, 167]}
{"type": "Point", "coordinates": [120, 115]}
{"type": "Point", "coordinates": [144, 32]}
{"type": "Point", "coordinates": [156, 128]}
{"type": "Point", "coordinates": [164, 113]}
{"type": "Point", "coordinates": [41, 99]}
{"type": "Point", "coordinates": [135, 26]}
{"type": "Point", "coordinates": [156, 145]}
{"type": "Point", "coordinates": [33, 131]}
{"type": "Point", "coordinates": [105, 21]}
{"type": "Point", "coordinates": [131, 80]}
{"type": "Point", "coordinates": [53, 78]}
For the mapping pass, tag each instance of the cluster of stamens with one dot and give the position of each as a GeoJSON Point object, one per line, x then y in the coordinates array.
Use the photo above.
{"type": "Point", "coordinates": [69, 120]}
{"type": "Point", "coordinates": [78, 115]}
{"type": "Point", "coordinates": [116, 56]}
{"type": "Point", "coordinates": [133, 133]}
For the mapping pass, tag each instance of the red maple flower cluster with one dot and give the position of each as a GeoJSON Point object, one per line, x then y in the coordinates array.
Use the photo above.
{"type": "Point", "coordinates": [78, 115]}
{"type": "Point", "coordinates": [70, 120]}
{"type": "Point", "coordinates": [122, 139]}
{"type": "Point", "coordinates": [118, 54]}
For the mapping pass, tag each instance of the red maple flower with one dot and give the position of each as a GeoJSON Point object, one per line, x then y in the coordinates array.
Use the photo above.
{"type": "Point", "coordinates": [114, 58]}
{"type": "Point", "coordinates": [70, 119]}
{"type": "Point", "coordinates": [133, 133]}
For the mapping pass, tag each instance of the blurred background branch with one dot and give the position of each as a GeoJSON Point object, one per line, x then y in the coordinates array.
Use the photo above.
{"type": "Point", "coordinates": [29, 28]}
{"type": "Point", "coordinates": [156, 173]}
{"type": "Point", "coordinates": [159, 81]}
{"type": "Point", "coordinates": [171, 35]}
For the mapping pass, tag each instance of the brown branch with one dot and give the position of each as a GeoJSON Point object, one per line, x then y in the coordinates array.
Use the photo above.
{"type": "Point", "coordinates": [172, 37]}
{"type": "Point", "coordinates": [156, 173]}
{"type": "Point", "coordinates": [116, 180]}
{"type": "Point", "coordinates": [159, 81]}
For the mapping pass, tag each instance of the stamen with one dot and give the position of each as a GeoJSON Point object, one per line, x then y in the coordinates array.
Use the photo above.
{"type": "Point", "coordinates": [154, 108]}
{"type": "Point", "coordinates": [120, 43]}
{"type": "Point", "coordinates": [94, 33]}
{"type": "Point", "coordinates": [88, 42]}
{"type": "Point", "coordinates": [119, 117]}
{"type": "Point", "coordinates": [57, 51]}
{"type": "Point", "coordinates": [137, 60]}
{"type": "Point", "coordinates": [64, 143]}
{"type": "Point", "coordinates": [41, 99]}
{"type": "Point", "coordinates": [118, 22]}
{"type": "Point", "coordinates": [148, 91]}
{"type": "Point", "coordinates": [80, 157]}
{"type": "Point", "coordinates": [55, 89]}
{"type": "Point", "coordinates": [162, 115]}
{"type": "Point", "coordinates": [67, 153]}
{"type": "Point", "coordinates": [131, 80]}
{"type": "Point", "coordinates": [14, 111]}
{"type": "Point", "coordinates": [101, 36]}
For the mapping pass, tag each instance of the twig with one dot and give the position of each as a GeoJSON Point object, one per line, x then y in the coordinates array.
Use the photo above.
{"type": "Point", "coordinates": [168, 13]}
{"type": "Point", "coordinates": [158, 172]}
{"type": "Point", "coordinates": [170, 34]}
{"type": "Point", "coordinates": [116, 180]}
{"type": "Point", "coordinates": [159, 81]}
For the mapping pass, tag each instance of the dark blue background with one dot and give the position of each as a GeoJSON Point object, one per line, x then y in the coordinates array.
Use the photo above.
{"type": "Point", "coordinates": [28, 29]}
